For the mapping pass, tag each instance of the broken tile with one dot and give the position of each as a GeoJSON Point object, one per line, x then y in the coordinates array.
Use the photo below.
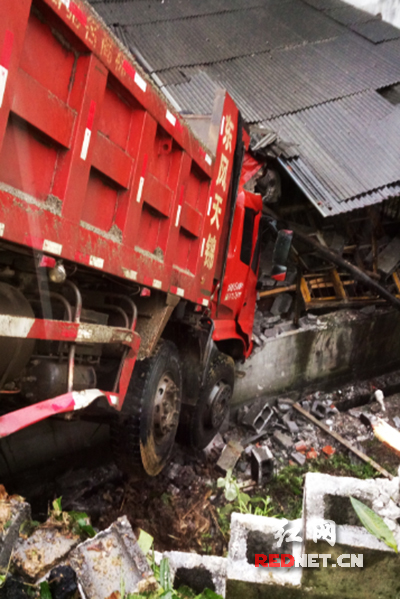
{"type": "Point", "coordinates": [299, 458]}
{"type": "Point", "coordinates": [301, 446]}
{"type": "Point", "coordinates": [230, 455]}
{"type": "Point", "coordinates": [43, 550]}
{"type": "Point", "coordinates": [312, 454]}
{"type": "Point", "coordinates": [13, 513]}
{"type": "Point", "coordinates": [328, 450]}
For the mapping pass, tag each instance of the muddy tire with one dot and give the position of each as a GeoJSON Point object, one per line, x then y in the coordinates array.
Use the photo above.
{"type": "Point", "coordinates": [143, 435]}
{"type": "Point", "coordinates": [200, 423]}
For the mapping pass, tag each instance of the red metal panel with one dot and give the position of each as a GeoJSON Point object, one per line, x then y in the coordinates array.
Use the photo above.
{"type": "Point", "coordinates": [134, 171]}
{"type": "Point", "coordinates": [112, 161]}
{"type": "Point", "coordinates": [47, 113]}
{"type": "Point", "coordinates": [74, 166]}
{"type": "Point", "coordinates": [157, 195]}
{"type": "Point", "coordinates": [13, 23]}
{"type": "Point", "coordinates": [191, 220]}
{"type": "Point", "coordinates": [95, 35]}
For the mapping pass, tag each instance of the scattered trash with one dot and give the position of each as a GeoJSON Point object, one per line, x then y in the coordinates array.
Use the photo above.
{"type": "Point", "coordinates": [378, 395]}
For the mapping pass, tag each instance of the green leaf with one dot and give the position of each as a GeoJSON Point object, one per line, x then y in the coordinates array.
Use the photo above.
{"type": "Point", "coordinates": [145, 541]}
{"type": "Point", "coordinates": [2, 579]}
{"type": "Point", "coordinates": [230, 492]}
{"type": "Point", "coordinates": [57, 506]}
{"type": "Point", "coordinates": [45, 591]}
{"type": "Point", "coordinates": [86, 528]}
{"type": "Point", "coordinates": [165, 575]}
{"type": "Point", "coordinates": [75, 516]}
{"type": "Point", "coordinates": [374, 523]}
{"type": "Point", "coordinates": [244, 498]}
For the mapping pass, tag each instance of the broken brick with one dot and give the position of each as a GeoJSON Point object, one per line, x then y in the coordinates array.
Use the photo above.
{"type": "Point", "coordinates": [301, 447]}
{"type": "Point", "coordinates": [328, 450]}
{"type": "Point", "coordinates": [312, 454]}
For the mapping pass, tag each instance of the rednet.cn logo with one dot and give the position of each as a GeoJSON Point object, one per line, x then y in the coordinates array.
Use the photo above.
{"type": "Point", "coordinates": [307, 560]}
{"type": "Point", "coordinates": [322, 530]}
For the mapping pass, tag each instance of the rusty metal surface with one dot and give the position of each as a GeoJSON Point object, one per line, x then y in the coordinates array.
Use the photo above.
{"type": "Point", "coordinates": [152, 318]}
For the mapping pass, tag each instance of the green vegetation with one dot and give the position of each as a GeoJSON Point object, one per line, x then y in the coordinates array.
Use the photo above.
{"type": "Point", "coordinates": [374, 523]}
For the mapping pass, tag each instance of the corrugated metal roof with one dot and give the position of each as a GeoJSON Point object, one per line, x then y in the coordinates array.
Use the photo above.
{"type": "Point", "coordinates": [137, 12]}
{"type": "Point", "coordinates": [308, 68]}
{"type": "Point", "coordinates": [346, 142]}
{"type": "Point", "coordinates": [214, 38]}
{"type": "Point", "coordinates": [377, 31]}
{"type": "Point", "coordinates": [289, 80]}
{"type": "Point", "coordinates": [349, 15]}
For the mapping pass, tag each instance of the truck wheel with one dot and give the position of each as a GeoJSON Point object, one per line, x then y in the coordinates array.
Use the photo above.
{"type": "Point", "coordinates": [200, 423]}
{"type": "Point", "coordinates": [143, 435]}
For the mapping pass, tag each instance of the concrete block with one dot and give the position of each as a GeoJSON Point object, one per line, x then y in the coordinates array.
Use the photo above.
{"type": "Point", "coordinates": [44, 549]}
{"type": "Point", "coordinates": [198, 572]}
{"type": "Point", "coordinates": [262, 464]}
{"type": "Point", "coordinates": [13, 513]}
{"type": "Point", "coordinates": [298, 457]}
{"type": "Point", "coordinates": [283, 440]}
{"type": "Point", "coordinates": [251, 535]}
{"type": "Point", "coordinates": [282, 304]}
{"type": "Point", "coordinates": [110, 560]}
{"type": "Point", "coordinates": [327, 498]}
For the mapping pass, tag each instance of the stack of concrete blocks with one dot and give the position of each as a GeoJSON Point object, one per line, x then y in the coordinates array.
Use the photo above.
{"type": "Point", "coordinates": [328, 498]}
{"type": "Point", "coordinates": [251, 535]}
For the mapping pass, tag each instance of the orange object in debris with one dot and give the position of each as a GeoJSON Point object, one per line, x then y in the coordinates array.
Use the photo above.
{"type": "Point", "coordinates": [328, 450]}
{"type": "Point", "coordinates": [312, 454]}
{"type": "Point", "coordinates": [301, 447]}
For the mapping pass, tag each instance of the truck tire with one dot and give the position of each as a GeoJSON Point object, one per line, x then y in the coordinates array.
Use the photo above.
{"type": "Point", "coordinates": [200, 423]}
{"type": "Point", "coordinates": [143, 435]}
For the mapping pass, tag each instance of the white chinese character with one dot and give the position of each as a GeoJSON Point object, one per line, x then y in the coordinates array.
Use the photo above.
{"type": "Point", "coordinates": [217, 210]}
{"type": "Point", "coordinates": [291, 532]}
{"type": "Point", "coordinates": [227, 139]}
{"type": "Point", "coordinates": [326, 531]}
{"type": "Point", "coordinates": [223, 172]}
{"type": "Point", "coordinates": [209, 252]}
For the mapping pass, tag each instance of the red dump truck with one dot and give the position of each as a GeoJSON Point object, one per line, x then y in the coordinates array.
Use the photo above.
{"type": "Point", "coordinates": [128, 249]}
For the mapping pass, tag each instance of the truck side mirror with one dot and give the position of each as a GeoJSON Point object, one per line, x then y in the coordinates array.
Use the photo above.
{"type": "Point", "coordinates": [280, 255]}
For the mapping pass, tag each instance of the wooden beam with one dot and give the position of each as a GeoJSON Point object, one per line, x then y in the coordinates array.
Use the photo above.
{"type": "Point", "coordinates": [343, 441]}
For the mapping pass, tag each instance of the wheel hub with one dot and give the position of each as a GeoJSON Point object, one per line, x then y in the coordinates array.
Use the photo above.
{"type": "Point", "coordinates": [166, 407]}
{"type": "Point", "coordinates": [218, 403]}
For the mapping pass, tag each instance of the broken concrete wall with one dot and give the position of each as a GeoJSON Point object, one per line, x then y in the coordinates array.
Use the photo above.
{"type": "Point", "coordinates": [333, 348]}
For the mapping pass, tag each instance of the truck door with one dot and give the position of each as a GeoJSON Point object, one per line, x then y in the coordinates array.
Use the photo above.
{"type": "Point", "coordinates": [238, 296]}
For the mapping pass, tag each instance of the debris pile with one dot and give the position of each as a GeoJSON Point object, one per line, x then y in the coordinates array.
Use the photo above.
{"type": "Point", "coordinates": [52, 560]}
{"type": "Point", "coordinates": [334, 263]}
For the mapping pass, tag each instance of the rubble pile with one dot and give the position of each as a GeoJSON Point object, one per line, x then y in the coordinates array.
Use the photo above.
{"type": "Point", "coordinates": [52, 561]}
